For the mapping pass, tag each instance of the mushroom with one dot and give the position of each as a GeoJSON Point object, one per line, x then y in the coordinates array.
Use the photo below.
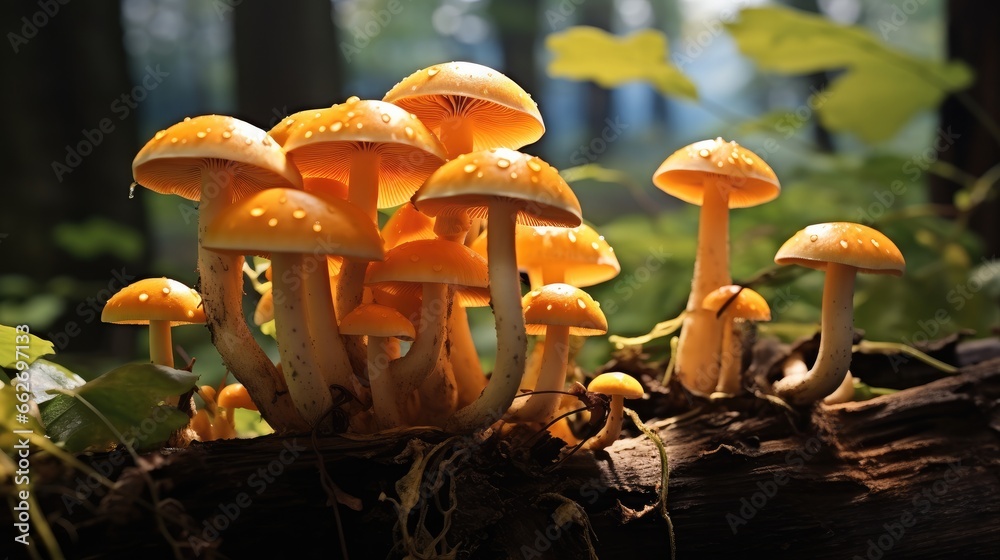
{"type": "Point", "coordinates": [407, 224]}
{"type": "Point", "coordinates": [577, 256]}
{"type": "Point", "coordinates": [841, 249]}
{"type": "Point", "coordinates": [557, 311]}
{"type": "Point", "coordinates": [289, 223]}
{"type": "Point", "coordinates": [509, 187]}
{"type": "Point", "coordinates": [384, 327]}
{"type": "Point", "coordinates": [619, 386]}
{"type": "Point", "coordinates": [216, 159]}
{"type": "Point", "coordinates": [161, 303]}
{"type": "Point", "coordinates": [432, 265]}
{"type": "Point", "coordinates": [380, 151]}
{"type": "Point", "coordinates": [717, 175]}
{"type": "Point", "coordinates": [733, 304]}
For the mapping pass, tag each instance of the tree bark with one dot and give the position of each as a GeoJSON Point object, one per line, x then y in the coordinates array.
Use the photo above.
{"type": "Point", "coordinates": [909, 475]}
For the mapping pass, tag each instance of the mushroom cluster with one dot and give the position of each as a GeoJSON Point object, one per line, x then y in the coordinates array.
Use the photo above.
{"type": "Point", "coordinates": [371, 324]}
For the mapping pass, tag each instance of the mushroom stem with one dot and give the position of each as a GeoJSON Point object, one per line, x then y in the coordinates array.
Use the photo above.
{"type": "Point", "coordinates": [221, 288]}
{"type": "Point", "coordinates": [541, 407]}
{"type": "Point", "coordinates": [160, 347]}
{"type": "Point", "coordinates": [385, 409]}
{"type": "Point", "coordinates": [335, 367]}
{"type": "Point", "coordinates": [464, 358]}
{"type": "Point", "coordinates": [612, 427]}
{"type": "Point", "coordinates": [533, 367]}
{"type": "Point", "coordinates": [456, 133]}
{"type": "Point", "coordinates": [298, 353]}
{"type": "Point", "coordinates": [701, 333]}
{"type": "Point", "coordinates": [732, 359]}
{"type": "Point", "coordinates": [835, 343]}
{"type": "Point", "coordinates": [410, 371]}
{"type": "Point", "coordinates": [505, 291]}
{"type": "Point", "coordinates": [363, 193]}
{"type": "Point", "coordinates": [438, 395]}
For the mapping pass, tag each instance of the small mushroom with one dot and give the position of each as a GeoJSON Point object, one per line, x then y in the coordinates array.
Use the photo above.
{"type": "Point", "coordinates": [161, 303]}
{"type": "Point", "coordinates": [734, 305]}
{"type": "Point", "coordinates": [619, 386]}
{"type": "Point", "coordinates": [841, 249]}
{"type": "Point", "coordinates": [716, 175]}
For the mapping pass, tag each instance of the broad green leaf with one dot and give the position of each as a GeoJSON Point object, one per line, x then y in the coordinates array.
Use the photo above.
{"type": "Point", "coordinates": [14, 348]}
{"type": "Point", "coordinates": [592, 54]}
{"type": "Point", "coordinates": [46, 375]}
{"type": "Point", "coordinates": [127, 396]}
{"type": "Point", "coordinates": [881, 88]}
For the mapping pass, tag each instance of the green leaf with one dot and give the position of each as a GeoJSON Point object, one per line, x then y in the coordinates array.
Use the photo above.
{"type": "Point", "coordinates": [881, 88]}
{"type": "Point", "coordinates": [46, 376]}
{"type": "Point", "coordinates": [13, 348]}
{"type": "Point", "coordinates": [591, 54]}
{"type": "Point", "coordinates": [127, 396]}
{"type": "Point", "coordinates": [9, 420]}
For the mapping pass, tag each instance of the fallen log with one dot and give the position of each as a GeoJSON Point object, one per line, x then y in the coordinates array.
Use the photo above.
{"type": "Point", "coordinates": [915, 474]}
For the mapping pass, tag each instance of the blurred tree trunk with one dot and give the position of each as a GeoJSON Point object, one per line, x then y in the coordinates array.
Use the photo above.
{"type": "Point", "coordinates": [972, 37]}
{"type": "Point", "coordinates": [71, 133]}
{"type": "Point", "coordinates": [598, 99]}
{"type": "Point", "coordinates": [518, 23]}
{"type": "Point", "coordinates": [287, 59]}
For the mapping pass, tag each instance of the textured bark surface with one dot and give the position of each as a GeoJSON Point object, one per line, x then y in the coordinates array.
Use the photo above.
{"type": "Point", "coordinates": [910, 475]}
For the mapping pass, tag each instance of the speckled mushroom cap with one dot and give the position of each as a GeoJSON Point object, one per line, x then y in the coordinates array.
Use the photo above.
{"type": "Point", "coordinates": [294, 221]}
{"type": "Point", "coordinates": [154, 299]}
{"type": "Point", "coordinates": [616, 383]}
{"type": "Point", "coordinates": [747, 304]}
{"type": "Point", "coordinates": [564, 305]}
{"type": "Point", "coordinates": [750, 180]}
{"type": "Point", "coordinates": [437, 261]}
{"type": "Point", "coordinates": [173, 161]}
{"type": "Point", "coordinates": [502, 114]}
{"type": "Point", "coordinates": [323, 142]}
{"type": "Point", "coordinates": [582, 254]}
{"type": "Point", "coordinates": [471, 182]}
{"type": "Point", "coordinates": [372, 319]}
{"type": "Point", "coordinates": [845, 243]}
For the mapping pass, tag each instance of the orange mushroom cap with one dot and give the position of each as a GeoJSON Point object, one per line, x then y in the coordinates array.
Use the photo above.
{"type": "Point", "coordinates": [501, 113]}
{"type": "Point", "coordinates": [172, 162]}
{"type": "Point", "coordinates": [747, 304]}
{"type": "Point", "coordinates": [563, 305]}
{"type": "Point", "coordinates": [846, 243]}
{"type": "Point", "coordinates": [407, 224]}
{"type": "Point", "coordinates": [372, 319]}
{"type": "Point", "coordinates": [750, 180]}
{"type": "Point", "coordinates": [616, 384]}
{"type": "Point", "coordinates": [235, 395]}
{"type": "Point", "coordinates": [154, 299]}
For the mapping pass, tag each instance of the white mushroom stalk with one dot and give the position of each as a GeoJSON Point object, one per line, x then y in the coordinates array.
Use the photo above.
{"type": "Point", "coordinates": [512, 341]}
{"type": "Point", "coordinates": [835, 344]}
{"type": "Point", "coordinates": [410, 371]}
{"type": "Point", "coordinates": [161, 349]}
{"type": "Point", "coordinates": [551, 378]}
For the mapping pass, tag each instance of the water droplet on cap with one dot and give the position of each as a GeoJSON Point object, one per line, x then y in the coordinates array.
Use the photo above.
{"type": "Point", "coordinates": [469, 167]}
{"type": "Point", "coordinates": [299, 214]}
{"type": "Point", "coordinates": [813, 238]}
{"type": "Point", "coordinates": [143, 296]}
{"type": "Point", "coordinates": [503, 164]}
{"type": "Point", "coordinates": [255, 212]}
{"type": "Point", "coordinates": [272, 222]}
{"type": "Point", "coordinates": [386, 118]}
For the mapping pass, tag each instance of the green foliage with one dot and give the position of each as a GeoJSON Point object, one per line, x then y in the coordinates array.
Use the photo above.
{"type": "Point", "coordinates": [97, 236]}
{"type": "Point", "coordinates": [877, 81]}
{"type": "Point", "coordinates": [127, 398]}
{"type": "Point", "coordinates": [16, 346]}
{"type": "Point", "coordinates": [589, 53]}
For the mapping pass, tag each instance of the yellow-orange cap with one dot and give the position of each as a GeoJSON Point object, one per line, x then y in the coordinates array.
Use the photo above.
{"type": "Point", "coordinates": [749, 179]}
{"type": "Point", "coordinates": [580, 255]}
{"type": "Point", "coordinates": [321, 186]}
{"type": "Point", "coordinates": [747, 304]}
{"type": "Point", "coordinates": [235, 395]}
{"type": "Point", "coordinates": [407, 224]}
{"type": "Point", "coordinates": [372, 319]}
{"type": "Point", "coordinates": [563, 305]}
{"type": "Point", "coordinates": [616, 383]}
{"type": "Point", "coordinates": [323, 144]}
{"type": "Point", "coordinates": [846, 243]}
{"type": "Point", "coordinates": [264, 311]}
{"type": "Point", "coordinates": [501, 113]}
{"type": "Point", "coordinates": [435, 261]}
{"type": "Point", "coordinates": [471, 182]}
{"type": "Point", "coordinates": [154, 299]}
{"type": "Point", "coordinates": [172, 162]}
{"type": "Point", "coordinates": [294, 221]}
